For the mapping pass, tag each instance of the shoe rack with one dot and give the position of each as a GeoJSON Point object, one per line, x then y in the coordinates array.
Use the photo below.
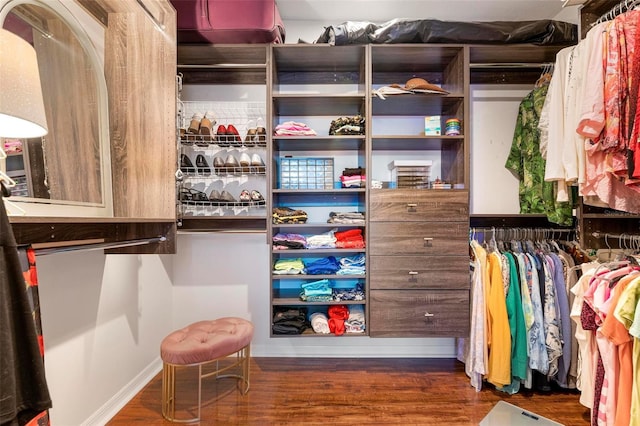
{"type": "Point", "coordinates": [222, 142]}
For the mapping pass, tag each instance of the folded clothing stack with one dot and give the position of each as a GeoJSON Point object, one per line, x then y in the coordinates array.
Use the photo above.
{"type": "Point", "coordinates": [352, 265]}
{"type": "Point", "coordinates": [282, 241]}
{"type": "Point", "coordinates": [347, 126]}
{"type": "Point", "coordinates": [351, 238]}
{"type": "Point", "coordinates": [326, 240]}
{"type": "Point", "coordinates": [351, 218]}
{"type": "Point", "coordinates": [317, 291]}
{"type": "Point", "coordinates": [288, 320]}
{"type": "Point", "coordinates": [324, 266]}
{"type": "Point", "coordinates": [353, 177]}
{"type": "Point", "coordinates": [288, 215]}
{"type": "Point", "coordinates": [288, 267]}
{"type": "Point", "coordinates": [356, 322]}
{"type": "Point", "coordinates": [356, 293]}
{"type": "Point", "coordinates": [338, 314]}
{"type": "Point", "coordinates": [293, 128]}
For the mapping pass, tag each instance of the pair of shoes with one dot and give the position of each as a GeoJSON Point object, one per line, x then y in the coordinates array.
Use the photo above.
{"type": "Point", "coordinates": [252, 131]}
{"type": "Point", "coordinates": [202, 125]}
{"type": "Point", "coordinates": [224, 196]}
{"type": "Point", "coordinates": [254, 195]}
{"type": "Point", "coordinates": [256, 132]}
{"type": "Point", "coordinates": [228, 136]}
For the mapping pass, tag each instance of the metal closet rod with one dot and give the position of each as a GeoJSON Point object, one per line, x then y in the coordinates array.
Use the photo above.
{"type": "Point", "coordinates": [618, 9]}
{"type": "Point", "coordinates": [598, 234]}
{"type": "Point", "coordinates": [100, 246]}
{"type": "Point", "coordinates": [489, 65]}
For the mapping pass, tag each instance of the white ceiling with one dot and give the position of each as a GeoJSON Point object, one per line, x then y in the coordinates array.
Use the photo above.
{"type": "Point", "coordinates": [338, 11]}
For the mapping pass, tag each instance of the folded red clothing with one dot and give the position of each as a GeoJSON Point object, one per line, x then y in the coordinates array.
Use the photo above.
{"type": "Point", "coordinates": [350, 244]}
{"type": "Point", "coordinates": [342, 235]}
{"type": "Point", "coordinates": [338, 312]}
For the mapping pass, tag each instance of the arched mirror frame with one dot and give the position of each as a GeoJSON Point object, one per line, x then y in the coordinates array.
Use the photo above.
{"type": "Point", "coordinates": [46, 207]}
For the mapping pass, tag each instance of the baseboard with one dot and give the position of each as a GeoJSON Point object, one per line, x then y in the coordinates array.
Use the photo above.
{"type": "Point", "coordinates": [353, 347]}
{"type": "Point", "coordinates": [126, 394]}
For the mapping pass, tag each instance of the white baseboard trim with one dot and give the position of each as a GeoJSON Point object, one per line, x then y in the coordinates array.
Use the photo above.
{"type": "Point", "coordinates": [126, 394]}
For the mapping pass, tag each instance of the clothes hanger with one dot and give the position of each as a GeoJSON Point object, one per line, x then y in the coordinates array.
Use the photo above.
{"type": "Point", "coordinates": [6, 179]}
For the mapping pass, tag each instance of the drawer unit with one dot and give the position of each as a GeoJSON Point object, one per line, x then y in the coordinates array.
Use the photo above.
{"type": "Point", "coordinates": [419, 313]}
{"type": "Point", "coordinates": [406, 205]}
{"type": "Point", "coordinates": [437, 238]}
{"type": "Point", "coordinates": [419, 272]}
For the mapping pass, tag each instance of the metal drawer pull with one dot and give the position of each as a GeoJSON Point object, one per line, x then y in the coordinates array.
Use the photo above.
{"type": "Point", "coordinates": [427, 314]}
{"type": "Point", "coordinates": [413, 273]}
{"type": "Point", "coordinates": [428, 242]}
{"type": "Point", "coordinates": [410, 205]}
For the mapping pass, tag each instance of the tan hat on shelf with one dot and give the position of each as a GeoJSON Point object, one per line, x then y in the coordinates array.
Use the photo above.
{"type": "Point", "coordinates": [417, 84]}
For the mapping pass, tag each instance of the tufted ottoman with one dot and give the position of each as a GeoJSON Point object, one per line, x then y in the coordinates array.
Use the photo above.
{"type": "Point", "coordinates": [201, 344]}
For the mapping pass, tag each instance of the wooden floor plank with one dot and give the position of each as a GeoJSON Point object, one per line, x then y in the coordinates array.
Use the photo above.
{"type": "Point", "coordinates": [341, 391]}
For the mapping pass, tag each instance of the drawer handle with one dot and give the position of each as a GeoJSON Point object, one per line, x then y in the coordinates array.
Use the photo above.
{"type": "Point", "coordinates": [428, 314]}
{"type": "Point", "coordinates": [428, 241]}
{"type": "Point", "coordinates": [412, 207]}
{"type": "Point", "coordinates": [413, 273]}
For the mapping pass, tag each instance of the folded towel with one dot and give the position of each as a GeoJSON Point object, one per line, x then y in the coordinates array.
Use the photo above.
{"type": "Point", "coordinates": [320, 323]}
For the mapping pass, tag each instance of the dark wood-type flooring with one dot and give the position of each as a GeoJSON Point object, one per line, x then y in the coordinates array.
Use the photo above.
{"type": "Point", "coordinates": [341, 391]}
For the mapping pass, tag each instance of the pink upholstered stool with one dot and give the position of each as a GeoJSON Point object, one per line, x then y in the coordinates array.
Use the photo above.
{"type": "Point", "coordinates": [200, 344]}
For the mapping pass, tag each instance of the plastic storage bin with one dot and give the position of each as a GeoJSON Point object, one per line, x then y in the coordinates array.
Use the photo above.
{"type": "Point", "coordinates": [306, 173]}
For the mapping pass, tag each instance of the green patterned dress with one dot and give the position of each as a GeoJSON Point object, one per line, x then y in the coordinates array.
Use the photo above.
{"type": "Point", "coordinates": [526, 163]}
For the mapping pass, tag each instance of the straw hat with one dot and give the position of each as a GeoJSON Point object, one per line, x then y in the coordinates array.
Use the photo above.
{"type": "Point", "coordinates": [417, 83]}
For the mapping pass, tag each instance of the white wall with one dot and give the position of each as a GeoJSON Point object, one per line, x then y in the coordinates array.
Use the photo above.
{"type": "Point", "coordinates": [103, 317]}
{"type": "Point", "coordinates": [494, 110]}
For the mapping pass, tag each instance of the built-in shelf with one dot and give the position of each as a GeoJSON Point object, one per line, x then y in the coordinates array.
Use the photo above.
{"type": "Point", "coordinates": [316, 143]}
{"type": "Point", "coordinates": [337, 251]}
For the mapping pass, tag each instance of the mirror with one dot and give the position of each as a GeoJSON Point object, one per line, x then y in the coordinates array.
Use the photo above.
{"type": "Point", "coordinates": [70, 164]}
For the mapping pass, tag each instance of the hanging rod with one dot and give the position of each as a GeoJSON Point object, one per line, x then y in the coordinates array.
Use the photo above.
{"type": "Point", "coordinates": [100, 246]}
{"type": "Point", "coordinates": [616, 10]}
{"type": "Point", "coordinates": [598, 234]}
{"type": "Point", "coordinates": [511, 64]}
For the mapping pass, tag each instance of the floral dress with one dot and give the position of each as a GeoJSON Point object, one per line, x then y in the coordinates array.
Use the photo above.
{"type": "Point", "coordinates": [526, 162]}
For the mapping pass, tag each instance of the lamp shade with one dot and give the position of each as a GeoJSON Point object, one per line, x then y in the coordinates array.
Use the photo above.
{"type": "Point", "coordinates": [21, 105]}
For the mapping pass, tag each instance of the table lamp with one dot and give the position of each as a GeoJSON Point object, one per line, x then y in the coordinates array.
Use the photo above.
{"type": "Point", "coordinates": [21, 105]}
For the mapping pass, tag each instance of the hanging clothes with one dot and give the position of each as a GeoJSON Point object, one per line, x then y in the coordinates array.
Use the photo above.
{"type": "Point", "coordinates": [526, 163]}
{"type": "Point", "coordinates": [608, 376]}
{"type": "Point", "coordinates": [596, 101]}
{"type": "Point", "coordinates": [526, 325]}
{"type": "Point", "coordinates": [24, 395]}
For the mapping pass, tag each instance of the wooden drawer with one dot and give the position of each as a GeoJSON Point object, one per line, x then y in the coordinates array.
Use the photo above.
{"type": "Point", "coordinates": [419, 272]}
{"type": "Point", "coordinates": [401, 205]}
{"type": "Point", "coordinates": [438, 238]}
{"type": "Point", "coordinates": [419, 313]}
